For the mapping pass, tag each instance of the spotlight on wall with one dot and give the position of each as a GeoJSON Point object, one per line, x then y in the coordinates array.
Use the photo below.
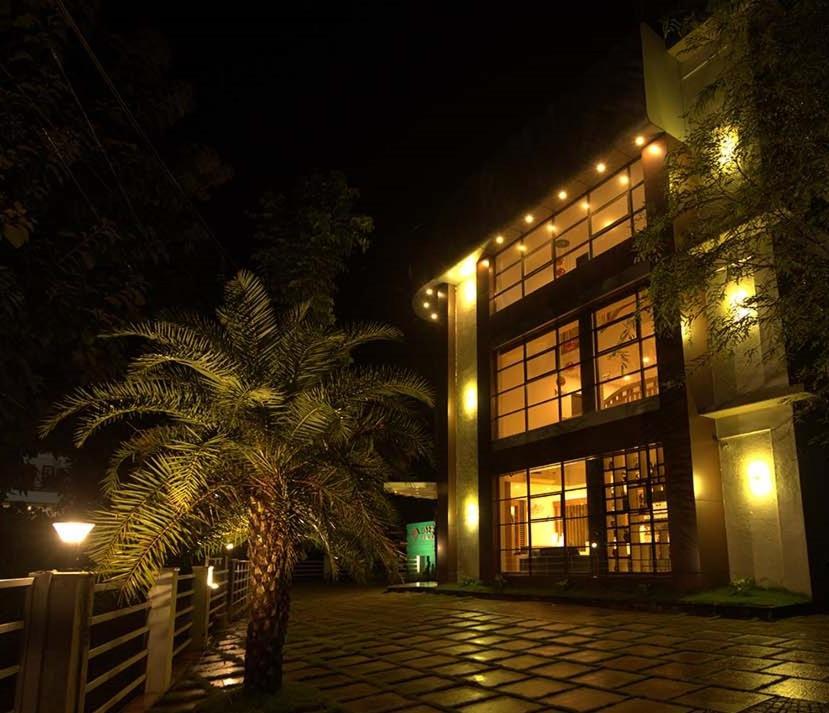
{"type": "Point", "coordinates": [655, 150]}
{"type": "Point", "coordinates": [758, 473]}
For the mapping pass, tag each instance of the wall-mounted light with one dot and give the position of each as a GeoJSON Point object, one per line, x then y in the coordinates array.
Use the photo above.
{"type": "Point", "coordinates": [441, 295]}
{"type": "Point", "coordinates": [470, 398]}
{"type": "Point", "coordinates": [759, 477]}
{"type": "Point", "coordinates": [470, 512]}
{"type": "Point", "coordinates": [655, 150]}
{"type": "Point", "coordinates": [601, 167]}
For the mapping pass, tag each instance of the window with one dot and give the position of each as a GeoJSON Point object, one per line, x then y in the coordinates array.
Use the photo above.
{"type": "Point", "coordinates": [542, 520]}
{"type": "Point", "coordinates": [592, 224]}
{"type": "Point", "coordinates": [636, 511]}
{"type": "Point", "coordinates": [625, 351]}
{"type": "Point", "coordinates": [538, 382]}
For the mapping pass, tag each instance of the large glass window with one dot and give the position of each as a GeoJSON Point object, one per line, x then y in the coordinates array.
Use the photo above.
{"type": "Point", "coordinates": [592, 224]}
{"type": "Point", "coordinates": [542, 520]}
{"type": "Point", "coordinates": [538, 382]}
{"type": "Point", "coordinates": [624, 348]}
{"type": "Point", "coordinates": [636, 511]}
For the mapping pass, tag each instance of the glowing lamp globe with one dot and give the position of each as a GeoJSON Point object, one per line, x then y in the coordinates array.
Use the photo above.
{"type": "Point", "coordinates": [72, 533]}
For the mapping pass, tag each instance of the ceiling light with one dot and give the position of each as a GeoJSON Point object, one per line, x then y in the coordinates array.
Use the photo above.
{"type": "Point", "coordinates": [551, 227]}
{"type": "Point", "coordinates": [639, 140]}
{"type": "Point", "coordinates": [430, 292]}
{"type": "Point", "coordinates": [623, 179]}
{"type": "Point", "coordinates": [601, 167]}
{"type": "Point", "coordinates": [655, 150]}
{"type": "Point", "coordinates": [426, 305]}
{"type": "Point", "coordinates": [499, 239]}
{"type": "Point", "coordinates": [529, 218]}
{"type": "Point", "coordinates": [485, 262]}
{"type": "Point", "coordinates": [562, 195]}
{"type": "Point", "coordinates": [440, 295]}
{"type": "Point", "coordinates": [434, 315]}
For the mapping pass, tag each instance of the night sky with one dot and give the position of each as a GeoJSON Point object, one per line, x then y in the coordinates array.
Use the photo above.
{"type": "Point", "coordinates": [405, 99]}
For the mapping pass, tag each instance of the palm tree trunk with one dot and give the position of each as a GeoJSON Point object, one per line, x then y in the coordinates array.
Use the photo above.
{"type": "Point", "coordinates": [269, 597]}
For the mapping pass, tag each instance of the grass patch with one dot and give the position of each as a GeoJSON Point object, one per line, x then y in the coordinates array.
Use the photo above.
{"type": "Point", "coordinates": [755, 596]}
{"type": "Point", "coordinates": [629, 592]}
{"type": "Point", "coordinates": [292, 698]}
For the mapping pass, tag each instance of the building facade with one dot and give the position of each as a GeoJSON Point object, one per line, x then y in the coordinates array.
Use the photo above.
{"type": "Point", "coordinates": [576, 443]}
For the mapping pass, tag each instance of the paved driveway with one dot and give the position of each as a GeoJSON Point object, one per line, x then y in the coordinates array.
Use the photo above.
{"type": "Point", "coordinates": [416, 653]}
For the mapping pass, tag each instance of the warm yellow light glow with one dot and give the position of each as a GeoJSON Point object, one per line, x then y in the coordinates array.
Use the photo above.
{"type": "Point", "coordinates": [601, 167]}
{"type": "Point", "coordinates": [470, 398]}
{"type": "Point", "coordinates": [522, 248]}
{"type": "Point", "coordinates": [229, 546]}
{"type": "Point", "coordinates": [727, 142]}
{"type": "Point", "coordinates": [485, 262]}
{"type": "Point", "coordinates": [759, 477]}
{"type": "Point", "coordinates": [551, 227]}
{"type": "Point", "coordinates": [529, 218]}
{"type": "Point", "coordinates": [440, 295]}
{"type": "Point", "coordinates": [646, 360]}
{"type": "Point", "coordinates": [736, 296]}
{"type": "Point", "coordinates": [585, 205]}
{"type": "Point", "coordinates": [499, 239]}
{"type": "Point", "coordinates": [464, 269]}
{"type": "Point", "coordinates": [430, 291]}
{"type": "Point", "coordinates": [72, 533]}
{"type": "Point", "coordinates": [434, 315]}
{"type": "Point", "coordinates": [639, 140]}
{"type": "Point", "coordinates": [426, 305]}
{"type": "Point", "coordinates": [470, 512]}
{"type": "Point", "coordinates": [655, 150]}
{"type": "Point", "coordinates": [210, 581]}
{"type": "Point", "coordinates": [562, 195]}
{"type": "Point", "coordinates": [623, 179]}
{"type": "Point", "coordinates": [469, 293]}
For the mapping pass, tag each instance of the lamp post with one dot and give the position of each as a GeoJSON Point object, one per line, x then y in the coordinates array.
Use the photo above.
{"type": "Point", "coordinates": [73, 533]}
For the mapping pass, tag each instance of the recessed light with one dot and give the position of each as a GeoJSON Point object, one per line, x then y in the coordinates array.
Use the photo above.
{"type": "Point", "coordinates": [499, 239]}
{"type": "Point", "coordinates": [562, 195]}
{"type": "Point", "coordinates": [639, 140]}
{"type": "Point", "coordinates": [434, 315]}
{"type": "Point", "coordinates": [601, 167]}
{"type": "Point", "coordinates": [529, 218]}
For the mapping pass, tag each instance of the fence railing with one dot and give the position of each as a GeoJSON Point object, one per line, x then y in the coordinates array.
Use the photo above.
{"type": "Point", "coordinates": [81, 649]}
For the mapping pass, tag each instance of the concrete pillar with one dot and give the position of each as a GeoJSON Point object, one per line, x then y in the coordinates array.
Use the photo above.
{"type": "Point", "coordinates": [201, 607]}
{"type": "Point", "coordinates": [56, 643]}
{"type": "Point", "coordinates": [161, 620]}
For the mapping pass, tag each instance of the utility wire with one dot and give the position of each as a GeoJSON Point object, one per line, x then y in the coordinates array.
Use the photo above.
{"type": "Point", "coordinates": [70, 21]}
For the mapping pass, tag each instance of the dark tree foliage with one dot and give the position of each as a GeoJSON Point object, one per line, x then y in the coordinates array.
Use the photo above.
{"type": "Point", "coordinates": [91, 222]}
{"type": "Point", "coordinates": [304, 239]}
{"type": "Point", "coordinates": [750, 188]}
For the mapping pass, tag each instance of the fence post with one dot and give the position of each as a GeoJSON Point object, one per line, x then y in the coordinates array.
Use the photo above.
{"type": "Point", "coordinates": [161, 621]}
{"type": "Point", "coordinates": [201, 607]}
{"type": "Point", "coordinates": [231, 585]}
{"type": "Point", "coordinates": [56, 643]}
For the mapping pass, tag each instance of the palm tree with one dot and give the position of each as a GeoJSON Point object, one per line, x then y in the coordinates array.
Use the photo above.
{"type": "Point", "coordinates": [250, 426]}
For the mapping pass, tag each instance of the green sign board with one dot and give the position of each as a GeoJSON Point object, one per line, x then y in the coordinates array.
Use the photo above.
{"type": "Point", "coordinates": [420, 539]}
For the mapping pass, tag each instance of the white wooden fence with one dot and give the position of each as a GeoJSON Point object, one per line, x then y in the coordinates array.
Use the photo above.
{"type": "Point", "coordinates": [75, 648]}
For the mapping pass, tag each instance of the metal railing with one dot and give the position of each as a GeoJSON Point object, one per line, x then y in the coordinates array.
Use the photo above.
{"type": "Point", "coordinates": [10, 638]}
{"type": "Point", "coordinates": [240, 577]}
{"type": "Point", "coordinates": [183, 619]}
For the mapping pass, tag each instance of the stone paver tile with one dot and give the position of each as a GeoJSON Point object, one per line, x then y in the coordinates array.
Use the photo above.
{"type": "Point", "coordinates": [664, 640]}
{"type": "Point", "coordinates": [501, 704]}
{"type": "Point", "coordinates": [462, 635]}
{"type": "Point", "coordinates": [456, 649]}
{"type": "Point", "coordinates": [487, 640]}
{"type": "Point", "coordinates": [558, 626]}
{"type": "Point", "coordinates": [800, 670]}
{"type": "Point", "coordinates": [631, 663]}
{"type": "Point", "coordinates": [803, 656]}
{"type": "Point", "coordinates": [396, 675]}
{"type": "Point", "coordinates": [802, 688]}
{"type": "Point", "coordinates": [639, 705]}
{"type": "Point", "coordinates": [721, 700]}
{"type": "Point", "coordinates": [352, 691]}
{"type": "Point", "coordinates": [550, 650]}
{"type": "Point", "coordinates": [404, 656]}
{"type": "Point", "coordinates": [420, 709]}
{"type": "Point", "coordinates": [751, 650]}
{"type": "Point", "coordinates": [423, 684]}
{"type": "Point", "coordinates": [561, 669]}
{"type": "Point", "coordinates": [456, 696]}
{"type": "Point", "coordinates": [304, 673]}
{"type": "Point", "coordinates": [583, 699]}
{"type": "Point", "coordinates": [662, 689]}
{"type": "Point", "coordinates": [462, 668]}
{"type": "Point", "coordinates": [334, 679]}
{"type": "Point", "coordinates": [429, 661]}
{"type": "Point", "coordinates": [682, 671]}
{"type": "Point", "coordinates": [363, 669]}
{"type": "Point", "coordinates": [495, 677]}
{"type": "Point", "coordinates": [744, 663]}
{"type": "Point", "coordinates": [536, 687]}
{"type": "Point", "coordinates": [522, 663]}
{"type": "Point", "coordinates": [606, 645]}
{"type": "Point", "coordinates": [625, 635]}
{"type": "Point", "coordinates": [573, 640]}
{"type": "Point", "coordinates": [646, 650]}
{"type": "Point", "coordinates": [539, 635]}
{"type": "Point", "coordinates": [757, 639]}
{"type": "Point", "coordinates": [490, 655]}
{"type": "Point", "coordinates": [744, 680]}
{"type": "Point", "coordinates": [607, 678]}
{"type": "Point", "coordinates": [377, 704]}
{"type": "Point", "coordinates": [588, 656]}
{"type": "Point", "coordinates": [707, 645]}
{"type": "Point", "coordinates": [515, 644]}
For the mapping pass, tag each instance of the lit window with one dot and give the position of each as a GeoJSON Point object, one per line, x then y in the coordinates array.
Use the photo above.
{"type": "Point", "coordinates": [636, 510]}
{"type": "Point", "coordinates": [542, 520]}
{"type": "Point", "coordinates": [624, 346]}
{"type": "Point", "coordinates": [591, 224]}
{"type": "Point", "coordinates": [538, 382]}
